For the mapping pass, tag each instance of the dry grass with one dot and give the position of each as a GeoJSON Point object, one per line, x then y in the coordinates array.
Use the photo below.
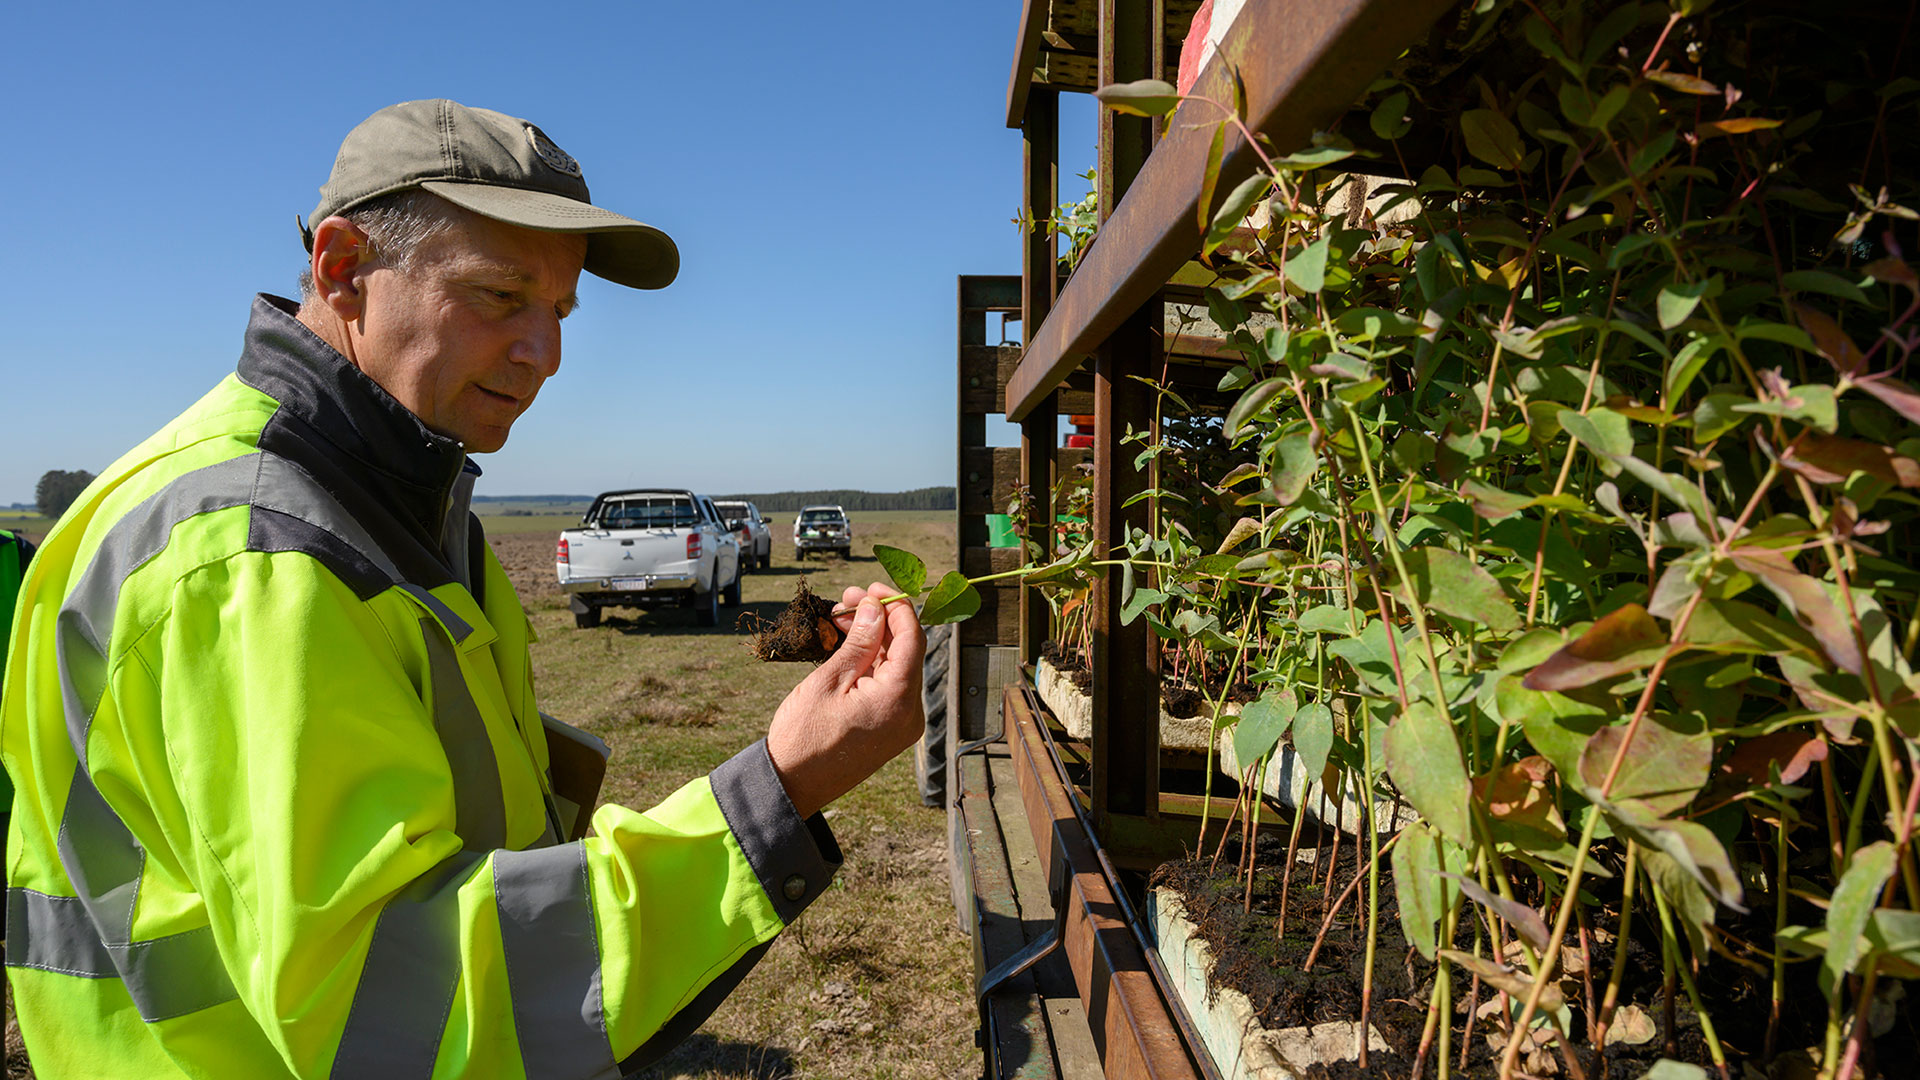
{"type": "Point", "coordinates": [873, 981]}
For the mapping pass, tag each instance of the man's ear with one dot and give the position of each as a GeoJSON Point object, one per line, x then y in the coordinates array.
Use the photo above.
{"type": "Point", "coordinates": [342, 255]}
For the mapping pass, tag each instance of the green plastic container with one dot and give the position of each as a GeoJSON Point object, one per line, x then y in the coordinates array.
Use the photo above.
{"type": "Point", "coordinates": [1001, 534]}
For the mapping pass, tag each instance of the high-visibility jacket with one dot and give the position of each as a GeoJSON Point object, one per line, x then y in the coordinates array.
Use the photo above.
{"type": "Point", "coordinates": [283, 804]}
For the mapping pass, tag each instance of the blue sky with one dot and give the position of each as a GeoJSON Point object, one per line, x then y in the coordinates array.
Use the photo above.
{"type": "Point", "coordinates": [827, 170]}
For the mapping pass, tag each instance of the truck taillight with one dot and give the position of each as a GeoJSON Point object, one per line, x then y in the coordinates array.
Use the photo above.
{"type": "Point", "coordinates": [693, 545]}
{"type": "Point", "coordinates": [560, 553]}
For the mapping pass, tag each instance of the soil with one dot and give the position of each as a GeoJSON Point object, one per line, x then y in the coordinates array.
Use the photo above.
{"type": "Point", "coordinates": [1269, 971]}
{"type": "Point", "coordinates": [805, 631]}
{"type": "Point", "coordinates": [1182, 701]}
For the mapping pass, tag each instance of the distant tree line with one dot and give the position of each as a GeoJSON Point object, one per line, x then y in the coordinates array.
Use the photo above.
{"type": "Point", "coordinates": [927, 498]}
{"type": "Point", "coordinates": [58, 488]}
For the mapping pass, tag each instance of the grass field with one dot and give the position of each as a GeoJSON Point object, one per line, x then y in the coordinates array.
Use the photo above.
{"type": "Point", "coordinates": [32, 526]}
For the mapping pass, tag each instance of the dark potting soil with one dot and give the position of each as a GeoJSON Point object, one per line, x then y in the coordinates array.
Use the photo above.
{"type": "Point", "coordinates": [805, 631]}
{"type": "Point", "coordinates": [1269, 969]}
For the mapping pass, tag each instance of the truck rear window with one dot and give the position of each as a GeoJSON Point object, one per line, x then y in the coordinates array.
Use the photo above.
{"type": "Point", "coordinates": [661, 513]}
{"type": "Point", "coordinates": [820, 516]}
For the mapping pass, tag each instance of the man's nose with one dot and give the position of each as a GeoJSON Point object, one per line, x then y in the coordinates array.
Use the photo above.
{"type": "Point", "coordinates": [539, 346]}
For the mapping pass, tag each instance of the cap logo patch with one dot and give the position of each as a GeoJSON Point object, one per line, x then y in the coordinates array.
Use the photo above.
{"type": "Point", "coordinates": [557, 159]}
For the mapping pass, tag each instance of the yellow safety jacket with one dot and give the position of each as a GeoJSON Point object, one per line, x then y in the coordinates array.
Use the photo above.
{"type": "Point", "coordinates": [283, 805]}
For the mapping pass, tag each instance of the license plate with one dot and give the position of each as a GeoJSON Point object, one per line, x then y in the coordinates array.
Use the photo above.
{"type": "Point", "coordinates": [629, 583]}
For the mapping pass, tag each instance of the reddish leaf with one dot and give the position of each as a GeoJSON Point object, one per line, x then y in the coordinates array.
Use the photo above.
{"type": "Point", "coordinates": [1626, 640]}
{"type": "Point", "coordinates": [1833, 342]}
{"type": "Point", "coordinates": [1893, 272]}
{"type": "Point", "coordinates": [1664, 768]}
{"type": "Point", "coordinates": [1895, 395]}
{"type": "Point", "coordinates": [1686, 84]}
{"type": "Point", "coordinates": [1808, 601]}
{"type": "Point", "coordinates": [1517, 793]}
{"type": "Point", "coordinates": [1739, 125]}
{"type": "Point", "coordinates": [1525, 921]}
{"type": "Point", "coordinates": [1830, 459]}
{"type": "Point", "coordinates": [1793, 751]}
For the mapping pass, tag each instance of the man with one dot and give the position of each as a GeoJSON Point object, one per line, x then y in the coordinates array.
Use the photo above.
{"type": "Point", "coordinates": [15, 552]}
{"type": "Point", "coordinates": [284, 806]}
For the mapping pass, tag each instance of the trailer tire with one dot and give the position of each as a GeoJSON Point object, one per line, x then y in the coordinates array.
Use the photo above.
{"type": "Point", "coordinates": [930, 757]}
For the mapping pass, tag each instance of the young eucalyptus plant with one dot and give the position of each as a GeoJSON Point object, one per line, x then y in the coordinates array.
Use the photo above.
{"type": "Point", "coordinates": [1577, 473]}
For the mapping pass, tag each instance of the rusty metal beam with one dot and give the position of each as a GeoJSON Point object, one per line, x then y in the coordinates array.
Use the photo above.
{"type": "Point", "coordinates": [1303, 62]}
{"type": "Point", "coordinates": [1026, 54]}
{"type": "Point", "coordinates": [1137, 1030]}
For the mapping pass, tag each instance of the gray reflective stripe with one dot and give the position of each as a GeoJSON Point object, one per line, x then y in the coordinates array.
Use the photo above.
{"type": "Point", "coordinates": [553, 963]}
{"type": "Point", "coordinates": [480, 813]}
{"type": "Point", "coordinates": [400, 1008]}
{"type": "Point", "coordinates": [455, 625]}
{"type": "Point", "coordinates": [166, 977]}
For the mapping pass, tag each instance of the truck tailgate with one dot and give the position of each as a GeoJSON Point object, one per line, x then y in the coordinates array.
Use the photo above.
{"type": "Point", "coordinates": [596, 553]}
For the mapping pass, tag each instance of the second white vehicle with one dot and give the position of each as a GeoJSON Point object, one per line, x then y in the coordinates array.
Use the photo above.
{"type": "Point", "coordinates": [646, 547]}
{"type": "Point", "coordinates": [756, 539]}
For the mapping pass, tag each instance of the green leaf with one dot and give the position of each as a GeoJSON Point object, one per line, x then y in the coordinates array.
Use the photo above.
{"type": "Point", "coordinates": [1492, 138]}
{"type": "Point", "coordinates": [1389, 121]}
{"type": "Point", "coordinates": [1249, 405]}
{"type": "Point", "coordinates": [1604, 432]}
{"type": "Point", "coordinates": [1143, 97]}
{"type": "Point", "coordinates": [1313, 738]}
{"type": "Point", "coordinates": [954, 599]}
{"type": "Point", "coordinates": [1141, 600]}
{"type": "Point", "coordinates": [1687, 363]}
{"type": "Point", "coordinates": [1211, 177]}
{"type": "Point", "coordinates": [1610, 105]}
{"type": "Point", "coordinates": [1691, 845]}
{"type": "Point", "coordinates": [1825, 283]}
{"type": "Point", "coordinates": [1678, 299]}
{"type": "Point", "coordinates": [1718, 414]}
{"type": "Point", "coordinates": [1308, 269]}
{"type": "Point", "coordinates": [1234, 210]}
{"type": "Point", "coordinates": [1688, 898]}
{"type": "Point", "coordinates": [1854, 899]}
{"type": "Point", "coordinates": [1325, 619]}
{"type": "Point", "coordinates": [903, 568]}
{"type": "Point", "coordinates": [1423, 758]}
{"type": "Point", "coordinates": [1420, 860]}
{"type": "Point", "coordinates": [1294, 463]}
{"type": "Point", "coordinates": [1262, 722]}
{"type": "Point", "coordinates": [1455, 585]}
{"type": "Point", "coordinates": [1556, 725]}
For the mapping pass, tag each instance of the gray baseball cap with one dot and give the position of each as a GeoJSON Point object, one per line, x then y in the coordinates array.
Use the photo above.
{"type": "Point", "coordinates": [497, 166]}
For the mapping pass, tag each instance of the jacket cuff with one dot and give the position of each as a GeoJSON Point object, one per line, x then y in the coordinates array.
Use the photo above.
{"type": "Point", "coordinates": [794, 859]}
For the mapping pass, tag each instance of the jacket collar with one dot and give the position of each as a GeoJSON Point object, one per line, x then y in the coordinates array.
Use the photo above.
{"type": "Point", "coordinates": [415, 466]}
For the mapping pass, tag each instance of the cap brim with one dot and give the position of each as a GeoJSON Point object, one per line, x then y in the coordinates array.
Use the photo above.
{"type": "Point", "coordinates": [620, 249]}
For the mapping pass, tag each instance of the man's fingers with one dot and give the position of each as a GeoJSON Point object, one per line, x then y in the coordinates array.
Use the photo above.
{"type": "Point", "coordinates": [855, 656]}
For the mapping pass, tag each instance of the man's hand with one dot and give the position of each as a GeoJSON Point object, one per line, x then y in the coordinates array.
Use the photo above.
{"type": "Point", "coordinates": [858, 709]}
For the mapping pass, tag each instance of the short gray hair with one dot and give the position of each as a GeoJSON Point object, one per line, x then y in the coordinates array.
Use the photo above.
{"type": "Point", "coordinates": [396, 225]}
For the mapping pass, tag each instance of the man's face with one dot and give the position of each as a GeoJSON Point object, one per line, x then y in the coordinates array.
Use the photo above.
{"type": "Point", "coordinates": [467, 336]}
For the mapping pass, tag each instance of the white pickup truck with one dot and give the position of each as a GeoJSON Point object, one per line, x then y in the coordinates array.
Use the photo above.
{"type": "Point", "coordinates": [646, 547]}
